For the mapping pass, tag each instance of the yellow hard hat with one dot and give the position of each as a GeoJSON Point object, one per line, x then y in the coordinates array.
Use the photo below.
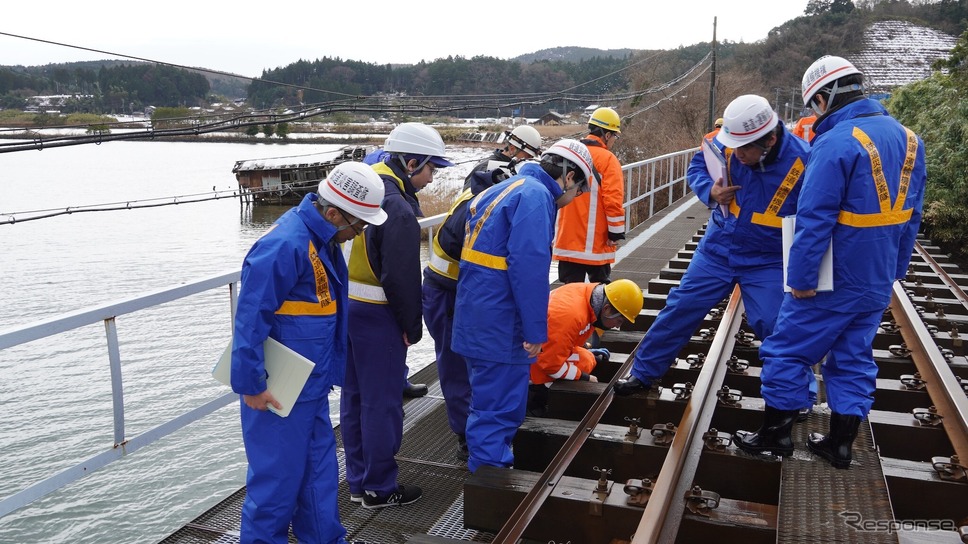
{"type": "Point", "coordinates": [626, 297]}
{"type": "Point", "coordinates": [719, 122]}
{"type": "Point", "coordinates": [606, 118]}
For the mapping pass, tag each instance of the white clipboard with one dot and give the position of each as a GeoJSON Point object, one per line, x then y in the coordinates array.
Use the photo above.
{"type": "Point", "coordinates": [825, 279]}
{"type": "Point", "coordinates": [287, 370]}
{"type": "Point", "coordinates": [716, 166]}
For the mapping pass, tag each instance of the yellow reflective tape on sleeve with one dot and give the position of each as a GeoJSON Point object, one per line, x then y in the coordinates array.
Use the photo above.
{"type": "Point", "coordinates": [483, 259]}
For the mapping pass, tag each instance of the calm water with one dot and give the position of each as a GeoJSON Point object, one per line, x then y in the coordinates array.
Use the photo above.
{"type": "Point", "coordinates": [55, 396]}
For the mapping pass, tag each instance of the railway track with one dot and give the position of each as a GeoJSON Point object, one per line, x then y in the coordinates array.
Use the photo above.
{"type": "Point", "coordinates": [659, 466]}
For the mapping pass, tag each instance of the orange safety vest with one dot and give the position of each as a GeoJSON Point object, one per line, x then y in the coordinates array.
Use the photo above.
{"type": "Point", "coordinates": [570, 318]}
{"type": "Point", "coordinates": [581, 235]}
{"type": "Point", "coordinates": [804, 127]}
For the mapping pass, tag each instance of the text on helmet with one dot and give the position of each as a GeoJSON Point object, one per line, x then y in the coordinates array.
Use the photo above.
{"type": "Point", "coordinates": [758, 121]}
{"type": "Point", "coordinates": [349, 186]}
{"type": "Point", "coordinates": [814, 75]}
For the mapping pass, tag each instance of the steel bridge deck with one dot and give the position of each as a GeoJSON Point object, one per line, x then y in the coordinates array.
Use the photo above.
{"type": "Point", "coordinates": [428, 455]}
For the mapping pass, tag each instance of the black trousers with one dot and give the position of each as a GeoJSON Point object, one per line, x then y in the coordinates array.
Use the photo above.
{"type": "Point", "coordinates": [569, 272]}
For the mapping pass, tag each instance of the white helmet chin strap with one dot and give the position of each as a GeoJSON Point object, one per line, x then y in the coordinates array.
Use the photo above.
{"type": "Point", "coordinates": [834, 91]}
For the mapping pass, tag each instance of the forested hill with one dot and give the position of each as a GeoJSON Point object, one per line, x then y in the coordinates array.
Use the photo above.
{"type": "Point", "coordinates": [777, 62]}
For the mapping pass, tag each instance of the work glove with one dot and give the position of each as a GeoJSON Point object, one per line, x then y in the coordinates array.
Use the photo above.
{"type": "Point", "coordinates": [601, 354]}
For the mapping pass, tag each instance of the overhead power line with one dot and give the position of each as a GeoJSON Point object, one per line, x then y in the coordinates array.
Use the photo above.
{"type": "Point", "coordinates": [206, 124]}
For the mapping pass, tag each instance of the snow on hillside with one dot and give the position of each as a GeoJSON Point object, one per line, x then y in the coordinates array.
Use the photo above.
{"type": "Point", "coordinates": [896, 53]}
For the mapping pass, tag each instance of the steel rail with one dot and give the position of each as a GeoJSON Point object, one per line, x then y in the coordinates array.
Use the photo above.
{"type": "Point", "coordinates": [956, 289]}
{"type": "Point", "coordinates": [663, 513]}
{"type": "Point", "coordinates": [680, 465]}
{"type": "Point", "coordinates": [942, 385]}
{"type": "Point", "coordinates": [515, 526]}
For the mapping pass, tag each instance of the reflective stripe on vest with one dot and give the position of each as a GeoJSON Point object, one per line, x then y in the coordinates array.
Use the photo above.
{"type": "Point", "coordinates": [367, 293]}
{"type": "Point", "coordinates": [325, 304]}
{"type": "Point", "coordinates": [440, 261]}
{"type": "Point", "coordinates": [468, 253]}
{"type": "Point", "coordinates": [888, 215]}
{"type": "Point", "coordinates": [442, 264]}
{"type": "Point", "coordinates": [364, 285]}
{"type": "Point", "coordinates": [769, 217]}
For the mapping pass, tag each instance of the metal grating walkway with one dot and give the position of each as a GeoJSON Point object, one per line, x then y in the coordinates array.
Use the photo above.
{"type": "Point", "coordinates": [428, 455]}
{"type": "Point", "coordinates": [810, 489]}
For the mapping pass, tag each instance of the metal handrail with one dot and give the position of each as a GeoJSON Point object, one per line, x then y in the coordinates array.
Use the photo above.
{"type": "Point", "coordinates": [668, 171]}
{"type": "Point", "coordinates": [107, 314]}
{"type": "Point", "coordinates": [646, 181]}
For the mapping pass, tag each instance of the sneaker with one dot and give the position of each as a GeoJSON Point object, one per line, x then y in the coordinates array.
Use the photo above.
{"type": "Point", "coordinates": [356, 497]}
{"type": "Point", "coordinates": [804, 413]}
{"type": "Point", "coordinates": [403, 495]}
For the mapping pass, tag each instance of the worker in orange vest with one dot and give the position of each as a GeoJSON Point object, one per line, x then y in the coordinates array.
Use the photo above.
{"type": "Point", "coordinates": [589, 230]}
{"type": "Point", "coordinates": [575, 310]}
{"type": "Point", "coordinates": [712, 133]}
{"type": "Point", "coordinates": [804, 127]}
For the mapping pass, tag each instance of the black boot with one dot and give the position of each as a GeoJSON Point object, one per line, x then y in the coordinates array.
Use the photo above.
{"type": "Point", "coordinates": [835, 447]}
{"type": "Point", "coordinates": [538, 400]}
{"type": "Point", "coordinates": [630, 385]}
{"type": "Point", "coordinates": [773, 436]}
{"type": "Point", "coordinates": [414, 390]}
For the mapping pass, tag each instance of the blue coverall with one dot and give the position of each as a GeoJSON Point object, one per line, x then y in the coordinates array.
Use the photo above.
{"type": "Point", "coordinates": [384, 304]}
{"type": "Point", "coordinates": [439, 297]}
{"type": "Point", "coordinates": [864, 188]}
{"type": "Point", "coordinates": [293, 289]}
{"type": "Point", "coordinates": [744, 247]}
{"type": "Point", "coordinates": [502, 302]}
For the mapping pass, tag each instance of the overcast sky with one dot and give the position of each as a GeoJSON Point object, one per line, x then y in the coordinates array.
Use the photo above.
{"type": "Point", "coordinates": [246, 37]}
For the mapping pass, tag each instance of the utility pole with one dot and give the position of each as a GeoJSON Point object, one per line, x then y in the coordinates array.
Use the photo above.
{"type": "Point", "coordinates": [712, 85]}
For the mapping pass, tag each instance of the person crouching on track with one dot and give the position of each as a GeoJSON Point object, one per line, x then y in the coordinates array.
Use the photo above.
{"type": "Point", "coordinates": [294, 290]}
{"type": "Point", "coordinates": [501, 311]}
{"type": "Point", "coordinates": [575, 310]}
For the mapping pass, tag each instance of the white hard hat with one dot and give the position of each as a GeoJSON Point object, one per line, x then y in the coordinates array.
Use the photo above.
{"type": "Point", "coordinates": [574, 152]}
{"type": "Point", "coordinates": [746, 119]}
{"type": "Point", "coordinates": [417, 139]}
{"type": "Point", "coordinates": [356, 189]}
{"type": "Point", "coordinates": [823, 72]}
{"type": "Point", "coordinates": [526, 138]}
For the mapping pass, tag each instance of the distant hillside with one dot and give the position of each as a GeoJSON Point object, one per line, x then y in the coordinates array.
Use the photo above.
{"type": "Point", "coordinates": [573, 54]}
{"type": "Point", "coordinates": [896, 53]}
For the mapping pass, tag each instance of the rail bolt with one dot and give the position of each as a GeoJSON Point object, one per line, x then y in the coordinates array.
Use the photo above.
{"type": "Point", "coordinates": [949, 469]}
{"type": "Point", "coordinates": [913, 381]}
{"type": "Point", "coordinates": [928, 416]}
{"type": "Point", "coordinates": [736, 365]}
{"type": "Point", "coordinates": [701, 502]}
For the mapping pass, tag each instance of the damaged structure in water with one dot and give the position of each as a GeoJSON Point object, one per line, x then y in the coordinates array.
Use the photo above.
{"type": "Point", "coordinates": [285, 180]}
